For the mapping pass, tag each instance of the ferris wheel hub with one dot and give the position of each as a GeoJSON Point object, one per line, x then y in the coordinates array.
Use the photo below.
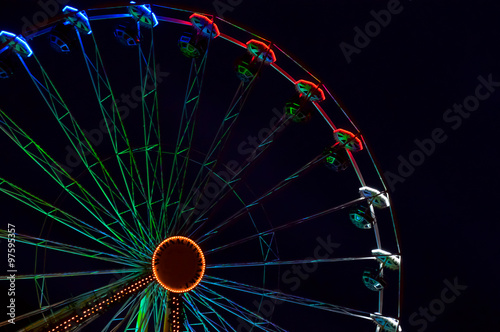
{"type": "Point", "coordinates": [178, 264]}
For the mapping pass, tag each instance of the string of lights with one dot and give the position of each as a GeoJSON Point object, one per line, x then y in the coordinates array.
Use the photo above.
{"type": "Point", "coordinates": [99, 306]}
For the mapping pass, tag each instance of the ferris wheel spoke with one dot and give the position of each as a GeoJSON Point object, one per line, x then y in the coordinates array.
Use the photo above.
{"type": "Point", "coordinates": [187, 124]}
{"type": "Point", "coordinates": [158, 307]}
{"type": "Point", "coordinates": [70, 274]}
{"type": "Point", "coordinates": [79, 142]}
{"type": "Point", "coordinates": [210, 310]}
{"type": "Point", "coordinates": [218, 144]}
{"type": "Point", "coordinates": [70, 301]}
{"type": "Point", "coordinates": [125, 314]}
{"type": "Point", "coordinates": [60, 176]}
{"type": "Point", "coordinates": [66, 219]}
{"type": "Point", "coordinates": [158, 311]}
{"type": "Point", "coordinates": [75, 134]}
{"type": "Point", "coordinates": [256, 202]}
{"type": "Point", "coordinates": [289, 262]}
{"type": "Point", "coordinates": [192, 308]}
{"type": "Point", "coordinates": [215, 143]}
{"type": "Point", "coordinates": [211, 159]}
{"type": "Point", "coordinates": [224, 130]}
{"type": "Point", "coordinates": [73, 250]}
{"type": "Point", "coordinates": [269, 193]}
{"type": "Point", "coordinates": [96, 296]}
{"type": "Point", "coordinates": [48, 164]}
{"type": "Point", "coordinates": [143, 313]}
{"type": "Point", "coordinates": [185, 135]}
{"type": "Point", "coordinates": [265, 144]}
{"type": "Point", "coordinates": [285, 226]}
{"type": "Point", "coordinates": [230, 118]}
{"type": "Point", "coordinates": [280, 296]}
{"type": "Point", "coordinates": [131, 295]}
{"type": "Point", "coordinates": [235, 177]}
{"type": "Point", "coordinates": [127, 164]}
{"type": "Point", "coordinates": [44, 160]}
{"type": "Point", "coordinates": [244, 315]}
{"type": "Point", "coordinates": [151, 120]}
{"type": "Point", "coordinates": [202, 314]}
{"type": "Point", "coordinates": [188, 327]}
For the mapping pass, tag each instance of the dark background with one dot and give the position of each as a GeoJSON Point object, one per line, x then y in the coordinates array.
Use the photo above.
{"type": "Point", "coordinates": [397, 90]}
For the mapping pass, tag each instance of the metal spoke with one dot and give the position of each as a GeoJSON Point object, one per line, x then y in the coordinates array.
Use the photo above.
{"type": "Point", "coordinates": [80, 143]}
{"type": "Point", "coordinates": [151, 119]}
{"type": "Point", "coordinates": [207, 323]}
{"type": "Point", "coordinates": [287, 225]}
{"type": "Point", "coordinates": [279, 296]}
{"type": "Point", "coordinates": [185, 135]}
{"type": "Point", "coordinates": [72, 249]}
{"type": "Point", "coordinates": [243, 314]}
{"type": "Point", "coordinates": [72, 300]}
{"type": "Point", "coordinates": [227, 183]}
{"type": "Point", "coordinates": [69, 274]}
{"type": "Point", "coordinates": [119, 139]}
{"type": "Point", "coordinates": [289, 262]}
{"type": "Point", "coordinates": [65, 218]}
{"type": "Point", "coordinates": [250, 206]}
{"type": "Point", "coordinates": [58, 173]}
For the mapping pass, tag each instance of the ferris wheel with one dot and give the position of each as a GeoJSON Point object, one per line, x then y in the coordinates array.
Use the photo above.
{"type": "Point", "coordinates": [176, 172]}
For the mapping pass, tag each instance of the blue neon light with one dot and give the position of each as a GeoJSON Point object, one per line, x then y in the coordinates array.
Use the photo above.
{"type": "Point", "coordinates": [69, 8]}
{"type": "Point", "coordinates": [153, 16]}
{"type": "Point", "coordinates": [17, 40]}
{"type": "Point", "coordinates": [149, 13]}
{"type": "Point", "coordinates": [81, 15]}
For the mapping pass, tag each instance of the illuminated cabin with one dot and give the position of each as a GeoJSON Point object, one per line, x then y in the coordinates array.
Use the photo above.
{"type": "Point", "coordinates": [258, 55]}
{"type": "Point", "coordinates": [336, 158]}
{"type": "Point", "coordinates": [361, 215]}
{"type": "Point", "coordinates": [194, 43]}
{"type": "Point", "coordinates": [127, 35]}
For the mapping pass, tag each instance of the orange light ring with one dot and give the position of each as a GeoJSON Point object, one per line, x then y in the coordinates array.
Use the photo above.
{"type": "Point", "coordinates": [202, 261]}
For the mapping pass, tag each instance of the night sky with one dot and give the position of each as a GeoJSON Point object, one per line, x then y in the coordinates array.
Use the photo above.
{"type": "Point", "coordinates": [422, 88]}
